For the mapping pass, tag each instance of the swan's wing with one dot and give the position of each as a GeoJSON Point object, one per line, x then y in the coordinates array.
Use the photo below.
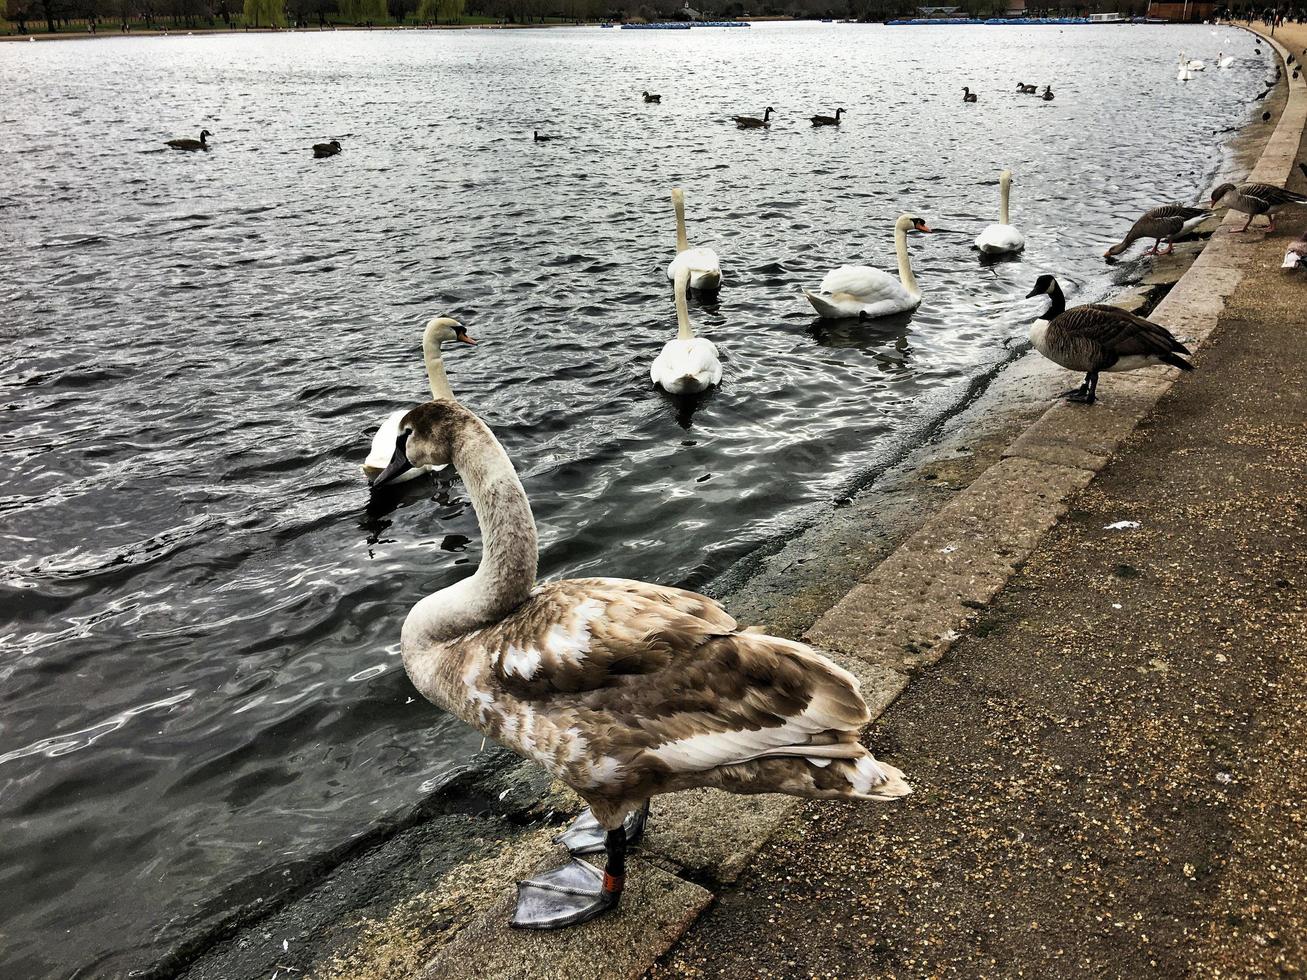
{"type": "Point", "coordinates": [1002, 238]}
{"type": "Point", "coordinates": [383, 443]}
{"type": "Point", "coordinates": [696, 358]}
{"type": "Point", "coordinates": [861, 283]}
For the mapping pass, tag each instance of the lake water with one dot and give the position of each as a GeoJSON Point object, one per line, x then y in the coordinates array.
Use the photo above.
{"type": "Point", "coordinates": [200, 669]}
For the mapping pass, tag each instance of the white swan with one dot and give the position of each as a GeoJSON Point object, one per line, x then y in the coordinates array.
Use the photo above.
{"type": "Point", "coordinates": [702, 263]}
{"type": "Point", "coordinates": [1002, 238]}
{"type": "Point", "coordinates": [688, 364]}
{"type": "Point", "coordinates": [1184, 74]}
{"type": "Point", "coordinates": [866, 293]}
{"type": "Point", "coordinates": [620, 689]}
{"type": "Point", "coordinates": [1193, 64]}
{"type": "Point", "coordinates": [439, 330]}
{"type": "Point", "coordinates": [1224, 60]}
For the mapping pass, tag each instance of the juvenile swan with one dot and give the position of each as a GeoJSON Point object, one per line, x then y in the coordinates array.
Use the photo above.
{"type": "Point", "coordinates": [620, 689]}
{"type": "Point", "coordinates": [1099, 338]}
{"type": "Point", "coordinates": [859, 291]}
{"type": "Point", "coordinates": [439, 330]}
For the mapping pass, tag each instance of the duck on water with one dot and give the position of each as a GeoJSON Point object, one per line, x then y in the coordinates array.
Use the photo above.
{"type": "Point", "coordinates": [621, 689]}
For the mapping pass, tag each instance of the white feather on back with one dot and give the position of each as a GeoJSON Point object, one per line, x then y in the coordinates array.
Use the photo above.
{"type": "Point", "coordinates": [686, 366]}
{"type": "Point", "coordinates": [863, 283]}
{"type": "Point", "coordinates": [996, 239]}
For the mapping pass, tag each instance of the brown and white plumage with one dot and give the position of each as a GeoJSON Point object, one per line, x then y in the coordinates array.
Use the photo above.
{"type": "Point", "coordinates": [1295, 256]}
{"type": "Point", "coordinates": [1253, 199]}
{"type": "Point", "coordinates": [1097, 338]}
{"type": "Point", "coordinates": [1167, 222]}
{"type": "Point", "coordinates": [621, 689]}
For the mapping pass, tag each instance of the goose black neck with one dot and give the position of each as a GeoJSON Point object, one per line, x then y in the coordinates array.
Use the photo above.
{"type": "Point", "coordinates": [1057, 304]}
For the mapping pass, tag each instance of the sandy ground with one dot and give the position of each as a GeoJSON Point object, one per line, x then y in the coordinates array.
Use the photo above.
{"type": "Point", "coordinates": [1111, 769]}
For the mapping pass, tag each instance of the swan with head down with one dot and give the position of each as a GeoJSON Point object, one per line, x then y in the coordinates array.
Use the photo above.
{"type": "Point", "coordinates": [621, 689]}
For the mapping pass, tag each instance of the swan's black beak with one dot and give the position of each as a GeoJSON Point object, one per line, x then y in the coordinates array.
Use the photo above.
{"type": "Point", "coordinates": [397, 465]}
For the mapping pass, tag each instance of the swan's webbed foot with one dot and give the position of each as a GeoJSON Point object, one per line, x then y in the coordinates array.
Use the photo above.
{"type": "Point", "coordinates": [585, 836]}
{"type": "Point", "coordinates": [575, 893]}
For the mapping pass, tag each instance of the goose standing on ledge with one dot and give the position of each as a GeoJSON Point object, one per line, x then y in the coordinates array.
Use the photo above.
{"type": "Point", "coordinates": [827, 120]}
{"type": "Point", "coordinates": [1002, 238]}
{"type": "Point", "coordinates": [704, 267]}
{"type": "Point", "coordinates": [189, 144]}
{"type": "Point", "coordinates": [321, 150]}
{"type": "Point", "coordinates": [753, 122]}
{"type": "Point", "coordinates": [687, 365]}
{"type": "Point", "coordinates": [1098, 338]}
{"type": "Point", "coordinates": [1254, 199]}
{"type": "Point", "coordinates": [968, 95]}
{"type": "Point", "coordinates": [859, 291]}
{"type": "Point", "coordinates": [620, 689]}
{"type": "Point", "coordinates": [1167, 222]}
{"type": "Point", "coordinates": [657, 99]}
{"type": "Point", "coordinates": [440, 330]}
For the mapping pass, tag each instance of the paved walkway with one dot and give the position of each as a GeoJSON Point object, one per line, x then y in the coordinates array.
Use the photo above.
{"type": "Point", "coordinates": [1112, 766]}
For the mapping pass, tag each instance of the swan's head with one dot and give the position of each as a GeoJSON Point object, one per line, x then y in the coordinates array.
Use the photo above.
{"type": "Point", "coordinates": [446, 330]}
{"type": "Point", "coordinates": [426, 438]}
{"type": "Point", "coordinates": [1220, 193]}
{"type": "Point", "coordinates": [1045, 285]}
{"type": "Point", "coordinates": [908, 222]}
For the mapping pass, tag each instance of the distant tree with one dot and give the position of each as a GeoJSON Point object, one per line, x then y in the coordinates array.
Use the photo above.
{"type": "Point", "coordinates": [19, 12]}
{"type": "Point", "coordinates": [400, 9]}
{"type": "Point", "coordinates": [264, 13]}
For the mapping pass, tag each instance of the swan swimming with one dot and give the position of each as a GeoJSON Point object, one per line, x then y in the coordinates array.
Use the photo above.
{"type": "Point", "coordinates": [859, 291]}
{"type": "Point", "coordinates": [687, 365]}
{"type": "Point", "coordinates": [439, 330]}
{"type": "Point", "coordinates": [701, 262]}
{"type": "Point", "coordinates": [1002, 238]}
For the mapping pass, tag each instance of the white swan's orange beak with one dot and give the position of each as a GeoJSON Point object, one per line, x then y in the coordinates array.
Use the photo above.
{"type": "Point", "coordinates": [465, 339]}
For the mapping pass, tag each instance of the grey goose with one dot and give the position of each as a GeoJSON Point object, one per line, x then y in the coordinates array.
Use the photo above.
{"type": "Point", "coordinates": [753, 122]}
{"type": "Point", "coordinates": [1166, 222]}
{"type": "Point", "coordinates": [321, 150]}
{"type": "Point", "coordinates": [1253, 199]}
{"type": "Point", "coordinates": [189, 144]}
{"type": "Point", "coordinates": [828, 120]}
{"type": "Point", "coordinates": [621, 689]}
{"type": "Point", "coordinates": [1098, 338]}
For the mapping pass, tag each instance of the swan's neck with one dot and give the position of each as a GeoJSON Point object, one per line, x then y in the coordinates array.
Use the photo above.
{"type": "Point", "coordinates": [436, 369]}
{"type": "Point", "coordinates": [1002, 203]}
{"type": "Point", "coordinates": [683, 329]}
{"type": "Point", "coordinates": [905, 266]}
{"type": "Point", "coordinates": [507, 573]}
{"type": "Point", "coordinates": [682, 243]}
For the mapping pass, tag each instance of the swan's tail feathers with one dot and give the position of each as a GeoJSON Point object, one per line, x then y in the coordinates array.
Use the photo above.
{"type": "Point", "coordinates": [706, 279]}
{"type": "Point", "coordinates": [823, 307]}
{"type": "Point", "coordinates": [869, 779]}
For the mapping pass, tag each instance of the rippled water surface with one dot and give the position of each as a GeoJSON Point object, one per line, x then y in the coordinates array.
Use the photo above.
{"type": "Point", "coordinates": [201, 616]}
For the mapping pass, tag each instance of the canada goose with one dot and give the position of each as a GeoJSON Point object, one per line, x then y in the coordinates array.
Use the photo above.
{"type": "Point", "coordinates": [321, 150]}
{"type": "Point", "coordinates": [866, 293]}
{"type": "Point", "coordinates": [968, 95]}
{"type": "Point", "coordinates": [828, 120]}
{"type": "Point", "coordinates": [1025, 89]}
{"type": "Point", "coordinates": [1254, 199]}
{"type": "Point", "coordinates": [1048, 93]}
{"type": "Point", "coordinates": [1166, 222]}
{"type": "Point", "coordinates": [753, 122]}
{"type": "Point", "coordinates": [620, 689]}
{"type": "Point", "coordinates": [688, 364]}
{"type": "Point", "coordinates": [652, 98]}
{"type": "Point", "coordinates": [1099, 338]}
{"type": "Point", "coordinates": [1295, 256]}
{"type": "Point", "coordinates": [535, 135]}
{"type": "Point", "coordinates": [189, 144]}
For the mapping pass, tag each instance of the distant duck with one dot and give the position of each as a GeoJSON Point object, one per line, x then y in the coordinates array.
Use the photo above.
{"type": "Point", "coordinates": [1253, 199]}
{"type": "Point", "coordinates": [652, 98]}
{"type": "Point", "coordinates": [1166, 222]}
{"type": "Point", "coordinates": [1001, 238]}
{"type": "Point", "coordinates": [1025, 89]}
{"type": "Point", "coordinates": [1099, 338]}
{"type": "Point", "coordinates": [828, 120]}
{"type": "Point", "coordinates": [620, 689]}
{"type": "Point", "coordinates": [861, 292]}
{"type": "Point", "coordinates": [439, 330]}
{"type": "Point", "coordinates": [687, 365]}
{"type": "Point", "coordinates": [321, 150]}
{"type": "Point", "coordinates": [1295, 256]}
{"type": "Point", "coordinates": [968, 95]}
{"type": "Point", "coordinates": [538, 137]}
{"type": "Point", "coordinates": [1224, 60]}
{"type": "Point", "coordinates": [701, 262]}
{"type": "Point", "coordinates": [1048, 93]}
{"type": "Point", "coordinates": [189, 144]}
{"type": "Point", "coordinates": [753, 122]}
